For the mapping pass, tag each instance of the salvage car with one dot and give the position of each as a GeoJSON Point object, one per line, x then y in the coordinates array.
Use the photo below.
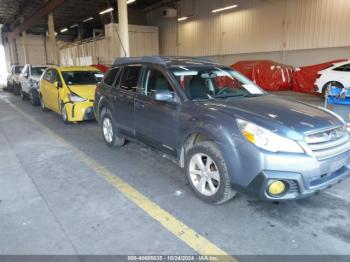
{"type": "Point", "coordinates": [13, 79]}
{"type": "Point", "coordinates": [338, 75]}
{"type": "Point", "coordinates": [69, 91]}
{"type": "Point", "coordinates": [29, 83]}
{"type": "Point", "coordinates": [227, 133]}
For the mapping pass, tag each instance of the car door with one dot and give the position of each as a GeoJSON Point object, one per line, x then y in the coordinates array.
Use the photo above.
{"type": "Point", "coordinates": [50, 90]}
{"type": "Point", "coordinates": [123, 96]}
{"type": "Point", "coordinates": [156, 122]}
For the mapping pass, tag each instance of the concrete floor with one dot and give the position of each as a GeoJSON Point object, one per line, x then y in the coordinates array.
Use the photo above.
{"type": "Point", "coordinates": [52, 202]}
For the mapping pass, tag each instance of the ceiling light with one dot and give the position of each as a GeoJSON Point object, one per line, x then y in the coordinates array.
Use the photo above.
{"type": "Point", "coordinates": [75, 25]}
{"type": "Point", "coordinates": [130, 1]}
{"type": "Point", "coordinates": [182, 18]}
{"type": "Point", "coordinates": [88, 19]}
{"type": "Point", "coordinates": [107, 11]}
{"type": "Point", "coordinates": [64, 30]}
{"type": "Point", "coordinates": [224, 8]}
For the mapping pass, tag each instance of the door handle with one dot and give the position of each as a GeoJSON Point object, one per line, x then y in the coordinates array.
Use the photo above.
{"type": "Point", "coordinates": [139, 105]}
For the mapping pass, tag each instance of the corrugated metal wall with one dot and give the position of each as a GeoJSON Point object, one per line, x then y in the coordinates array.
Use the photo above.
{"type": "Point", "coordinates": [255, 26]}
{"type": "Point", "coordinates": [144, 40]}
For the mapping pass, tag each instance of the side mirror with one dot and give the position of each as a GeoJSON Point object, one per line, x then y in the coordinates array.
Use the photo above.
{"type": "Point", "coordinates": [164, 96]}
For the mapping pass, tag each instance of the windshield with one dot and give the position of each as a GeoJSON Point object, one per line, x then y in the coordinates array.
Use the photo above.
{"type": "Point", "coordinates": [82, 77]}
{"type": "Point", "coordinates": [38, 71]}
{"type": "Point", "coordinates": [210, 82]}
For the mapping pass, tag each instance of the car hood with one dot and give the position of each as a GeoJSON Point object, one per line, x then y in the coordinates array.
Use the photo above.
{"type": "Point", "coordinates": [84, 91]}
{"type": "Point", "coordinates": [275, 113]}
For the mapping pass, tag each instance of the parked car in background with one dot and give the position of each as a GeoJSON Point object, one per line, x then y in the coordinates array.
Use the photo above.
{"type": "Point", "coordinates": [227, 133]}
{"type": "Point", "coordinates": [338, 75]}
{"type": "Point", "coordinates": [69, 91]}
{"type": "Point", "coordinates": [13, 79]}
{"type": "Point", "coordinates": [29, 82]}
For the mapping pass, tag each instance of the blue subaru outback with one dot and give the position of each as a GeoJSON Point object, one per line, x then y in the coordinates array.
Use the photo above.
{"type": "Point", "coordinates": [228, 134]}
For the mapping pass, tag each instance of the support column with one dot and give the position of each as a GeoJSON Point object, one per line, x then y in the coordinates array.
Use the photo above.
{"type": "Point", "coordinates": [24, 45]}
{"type": "Point", "coordinates": [123, 28]}
{"type": "Point", "coordinates": [52, 37]}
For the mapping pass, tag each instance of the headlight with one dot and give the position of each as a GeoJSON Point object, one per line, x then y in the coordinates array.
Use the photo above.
{"type": "Point", "coordinates": [266, 139]}
{"type": "Point", "coordinates": [75, 98]}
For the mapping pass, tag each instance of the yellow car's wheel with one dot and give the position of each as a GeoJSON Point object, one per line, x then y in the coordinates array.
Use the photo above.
{"type": "Point", "coordinates": [64, 114]}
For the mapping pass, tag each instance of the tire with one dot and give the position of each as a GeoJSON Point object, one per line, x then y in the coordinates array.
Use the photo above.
{"type": "Point", "coordinates": [335, 84]}
{"type": "Point", "coordinates": [22, 95]}
{"type": "Point", "coordinates": [64, 114]}
{"type": "Point", "coordinates": [216, 187]}
{"type": "Point", "coordinates": [34, 98]}
{"type": "Point", "coordinates": [109, 132]}
{"type": "Point", "coordinates": [16, 90]}
{"type": "Point", "coordinates": [42, 104]}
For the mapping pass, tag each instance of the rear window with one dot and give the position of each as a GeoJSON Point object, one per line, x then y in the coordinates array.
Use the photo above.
{"type": "Point", "coordinates": [130, 78]}
{"type": "Point", "coordinates": [18, 69]}
{"type": "Point", "coordinates": [82, 77]}
{"type": "Point", "coordinates": [38, 71]}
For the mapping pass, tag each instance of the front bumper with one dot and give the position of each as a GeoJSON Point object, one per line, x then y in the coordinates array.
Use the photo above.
{"type": "Point", "coordinates": [304, 175]}
{"type": "Point", "coordinates": [80, 111]}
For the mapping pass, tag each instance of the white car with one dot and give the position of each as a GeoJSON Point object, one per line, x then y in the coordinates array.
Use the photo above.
{"type": "Point", "coordinates": [29, 82]}
{"type": "Point", "coordinates": [338, 75]}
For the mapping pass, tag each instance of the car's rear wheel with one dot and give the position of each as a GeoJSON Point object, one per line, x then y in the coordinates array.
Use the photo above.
{"type": "Point", "coordinates": [110, 136]}
{"type": "Point", "coordinates": [207, 173]}
{"type": "Point", "coordinates": [42, 104]}
{"type": "Point", "coordinates": [34, 98]}
{"type": "Point", "coordinates": [22, 94]}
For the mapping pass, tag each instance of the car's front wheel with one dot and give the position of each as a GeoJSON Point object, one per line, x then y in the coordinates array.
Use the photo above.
{"type": "Point", "coordinates": [22, 94]}
{"type": "Point", "coordinates": [64, 114]}
{"type": "Point", "coordinates": [110, 136]}
{"type": "Point", "coordinates": [34, 98]}
{"type": "Point", "coordinates": [207, 173]}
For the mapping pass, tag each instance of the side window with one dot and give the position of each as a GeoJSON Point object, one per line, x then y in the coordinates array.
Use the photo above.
{"type": "Point", "coordinates": [343, 68]}
{"type": "Point", "coordinates": [110, 76]}
{"type": "Point", "coordinates": [155, 81]}
{"type": "Point", "coordinates": [130, 78]}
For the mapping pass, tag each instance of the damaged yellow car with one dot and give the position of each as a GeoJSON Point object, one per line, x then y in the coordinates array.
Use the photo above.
{"type": "Point", "coordinates": [69, 91]}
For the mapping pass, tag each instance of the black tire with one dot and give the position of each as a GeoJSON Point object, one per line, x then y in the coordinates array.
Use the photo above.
{"type": "Point", "coordinates": [34, 98]}
{"type": "Point", "coordinates": [335, 84]}
{"type": "Point", "coordinates": [64, 114]}
{"type": "Point", "coordinates": [22, 94]}
{"type": "Point", "coordinates": [16, 90]}
{"type": "Point", "coordinates": [42, 104]}
{"type": "Point", "coordinates": [224, 190]}
{"type": "Point", "coordinates": [116, 140]}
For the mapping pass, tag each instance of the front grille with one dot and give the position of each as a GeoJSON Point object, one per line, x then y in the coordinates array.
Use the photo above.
{"type": "Point", "coordinates": [329, 143]}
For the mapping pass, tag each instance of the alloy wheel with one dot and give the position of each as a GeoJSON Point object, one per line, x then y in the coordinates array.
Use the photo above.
{"type": "Point", "coordinates": [107, 130]}
{"type": "Point", "coordinates": [204, 174]}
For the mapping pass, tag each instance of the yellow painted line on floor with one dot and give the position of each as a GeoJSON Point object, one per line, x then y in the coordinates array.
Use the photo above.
{"type": "Point", "coordinates": [194, 240]}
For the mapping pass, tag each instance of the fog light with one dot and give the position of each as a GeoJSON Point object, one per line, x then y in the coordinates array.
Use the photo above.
{"type": "Point", "coordinates": [277, 188]}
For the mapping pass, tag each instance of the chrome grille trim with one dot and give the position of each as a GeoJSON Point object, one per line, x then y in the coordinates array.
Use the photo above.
{"type": "Point", "coordinates": [330, 143]}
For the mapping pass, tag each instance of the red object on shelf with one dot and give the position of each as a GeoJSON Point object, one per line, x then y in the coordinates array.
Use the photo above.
{"type": "Point", "coordinates": [305, 77]}
{"type": "Point", "coordinates": [101, 67]}
{"type": "Point", "coordinates": [267, 74]}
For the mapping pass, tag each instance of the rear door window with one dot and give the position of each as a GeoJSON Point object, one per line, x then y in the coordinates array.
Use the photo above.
{"type": "Point", "coordinates": [343, 68]}
{"type": "Point", "coordinates": [130, 78]}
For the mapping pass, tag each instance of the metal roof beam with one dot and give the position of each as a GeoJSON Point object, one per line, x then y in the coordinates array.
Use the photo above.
{"type": "Point", "coordinates": [46, 9]}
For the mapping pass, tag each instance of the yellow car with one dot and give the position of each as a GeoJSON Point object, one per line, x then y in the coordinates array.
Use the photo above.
{"type": "Point", "coordinates": [69, 91]}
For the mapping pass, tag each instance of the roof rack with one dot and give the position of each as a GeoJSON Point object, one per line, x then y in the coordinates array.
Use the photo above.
{"type": "Point", "coordinates": [144, 59]}
{"type": "Point", "coordinates": [162, 60]}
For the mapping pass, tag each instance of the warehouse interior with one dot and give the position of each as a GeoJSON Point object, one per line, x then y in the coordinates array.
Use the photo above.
{"type": "Point", "coordinates": [63, 192]}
